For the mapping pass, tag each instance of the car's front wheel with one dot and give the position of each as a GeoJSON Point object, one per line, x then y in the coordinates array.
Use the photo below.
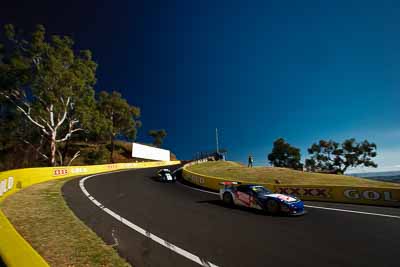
{"type": "Point", "coordinates": [273, 207]}
{"type": "Point", "coordinates": [227, 198]}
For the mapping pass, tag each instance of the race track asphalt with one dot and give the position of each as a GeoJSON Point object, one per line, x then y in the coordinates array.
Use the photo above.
{"type": "Point", "coordinates": [198, 222]}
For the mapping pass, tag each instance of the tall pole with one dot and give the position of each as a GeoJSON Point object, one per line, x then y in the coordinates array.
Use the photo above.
{"type": "Point", "coordinates": [216, 138]}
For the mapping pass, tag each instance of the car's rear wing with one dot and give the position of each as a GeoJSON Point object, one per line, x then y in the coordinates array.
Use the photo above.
{"type": "Point", "coordinates": [229, 184]}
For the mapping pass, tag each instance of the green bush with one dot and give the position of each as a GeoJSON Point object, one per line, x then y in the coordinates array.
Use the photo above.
{"type": "Point", "coordinates": [99, 156]}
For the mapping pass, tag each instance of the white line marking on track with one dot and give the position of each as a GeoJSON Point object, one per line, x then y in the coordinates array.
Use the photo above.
{"type": "Point", "coordinates": [353, 211]}
{"type": "Point", "coordinates": [313, 207]}
{"type": "Point", "coordinates": [142, 231]}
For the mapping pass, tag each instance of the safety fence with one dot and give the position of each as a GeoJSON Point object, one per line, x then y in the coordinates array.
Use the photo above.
{"type": "Point", "coordinates": [199, 161]}
{"type": "Point", "coordinates": [16, 251]}
{"type": "Point", "coordinates": [382, 196]}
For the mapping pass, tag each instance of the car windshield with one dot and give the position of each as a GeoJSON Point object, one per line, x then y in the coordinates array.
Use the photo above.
{"type": "Point", "coordinates": [260, 190]}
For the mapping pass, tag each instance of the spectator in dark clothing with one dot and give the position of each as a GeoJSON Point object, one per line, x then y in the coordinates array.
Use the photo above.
{"type": "Point", "coordinates": [250, 164]}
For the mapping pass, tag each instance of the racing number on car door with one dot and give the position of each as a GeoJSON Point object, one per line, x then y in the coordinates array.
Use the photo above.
{"type": "Point", "coordinates": [244, 199]}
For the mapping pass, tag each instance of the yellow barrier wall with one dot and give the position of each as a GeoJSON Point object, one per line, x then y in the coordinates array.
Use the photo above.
{"type": "Point", "coordinates": [344, 194]}
{"type": "Point", "coordinates": [14, 250]}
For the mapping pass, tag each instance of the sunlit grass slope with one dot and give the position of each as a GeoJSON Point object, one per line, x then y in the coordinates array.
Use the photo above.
{"type": "Point", "coordinates": [41, 216]}
{"type": "Point", "coordinates": [236, 171]}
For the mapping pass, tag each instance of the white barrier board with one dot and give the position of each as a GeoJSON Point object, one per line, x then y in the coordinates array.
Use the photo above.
{"type": "Point", "coordinates": [149, 152]}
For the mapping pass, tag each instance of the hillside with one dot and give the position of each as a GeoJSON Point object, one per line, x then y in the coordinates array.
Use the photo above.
{"type": "Point", "coordinates": [100, 153]}
{"type": "Point", "coordinates": [90, 154]}
{"type": "Point", "coordinates": [389, 176]}
{"type": "Point", "coordinates": [236, 171]}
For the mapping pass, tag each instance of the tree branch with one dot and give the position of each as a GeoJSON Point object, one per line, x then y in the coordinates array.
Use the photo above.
{"type": "Point", "coordinates": [61, 157]}
{"type": "Point", "coordinates": [37, 149]}
{"type": "Point", "coordinates": [60, 122]}
{"type": "Point", "coordinates": [77, 154]}
{"type": "Point", "coordinates": [47, 124]}
{"type": "Point", "coordinates": [51, 111]}
{"type": "Point", "coordinates": [68, 135]}
{"type": "Point", "coordinates": [28, 115]}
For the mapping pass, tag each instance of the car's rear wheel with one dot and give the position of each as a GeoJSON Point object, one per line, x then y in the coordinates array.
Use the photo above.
{"type": "Point", "coordinates": [227, 198]}
{"type": "Point", "coordinates": [273, 207]}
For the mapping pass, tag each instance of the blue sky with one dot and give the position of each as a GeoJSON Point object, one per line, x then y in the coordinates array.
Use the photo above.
{"type": "Point", "coordinates": [257, 70]}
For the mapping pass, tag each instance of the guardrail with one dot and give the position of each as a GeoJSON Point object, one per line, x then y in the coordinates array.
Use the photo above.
{"type": "Point", "coordinates": [16, 251]}
{"type": "Point", "coordinates": [344, 194]}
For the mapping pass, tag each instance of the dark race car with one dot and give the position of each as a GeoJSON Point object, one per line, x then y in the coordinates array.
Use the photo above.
{"type": "Point", "coordinates": [259, 197]}
{"type": "Point", "coordinates": [165, 175]}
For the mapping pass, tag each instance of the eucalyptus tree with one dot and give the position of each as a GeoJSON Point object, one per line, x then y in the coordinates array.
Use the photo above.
{"type": "Point", "coordinates": [120, 117]}
{"type": "Point", "coordinates": [158, 136]}
{"type": "Point", "coordinates": [333, 157]}
{"type": "Point", "coordinates": [285, 155]}
{"type": "Point", "coordinates": [49, 83]}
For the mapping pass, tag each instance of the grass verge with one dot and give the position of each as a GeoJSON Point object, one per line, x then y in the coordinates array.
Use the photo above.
{"type": "Point", "coordinates": [236, 171]}
{"type": "Point", "coordinates": [41, 216]}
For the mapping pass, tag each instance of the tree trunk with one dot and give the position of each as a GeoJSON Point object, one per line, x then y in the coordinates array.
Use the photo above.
{"type": "Point", "coordinates": [65, 151]}
{"type": "Point", "coordinates": [112, 149]}
{"type": "Point", "coordinates": [342, 171]}
{"type": "Point", "coordinates": [53, 149]}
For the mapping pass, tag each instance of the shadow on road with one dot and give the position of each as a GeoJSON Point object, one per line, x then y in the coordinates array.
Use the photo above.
{"type": "Point", "coordinates": [220, 203]}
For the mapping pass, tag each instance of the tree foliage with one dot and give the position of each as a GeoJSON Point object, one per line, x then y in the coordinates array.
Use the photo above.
{"type": "Point", "coordinates": [50, 84]}
{"type": "Point", "coordinates": [285, 155]}
{"type": "Point", "coordinates": [330, 156]}
{"type": "Point", "coordinates": [158, 136]}
{"type": "Point", "coordinates": [120, 118]}
{"type": "Point", "coordinates": [14, 129]}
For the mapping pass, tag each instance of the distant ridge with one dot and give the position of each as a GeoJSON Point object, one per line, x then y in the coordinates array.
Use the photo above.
{"type": "Point", "coordinates": [389, 176]}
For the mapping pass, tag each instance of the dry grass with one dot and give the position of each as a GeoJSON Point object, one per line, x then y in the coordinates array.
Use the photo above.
{"type": "Point", "coordinates": [41, 216]}
{"type": "Point", "coordinates": [233, 170]}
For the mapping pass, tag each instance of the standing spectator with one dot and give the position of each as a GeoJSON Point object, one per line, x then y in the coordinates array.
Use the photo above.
{"type": "Point", "coordinates": [250, 163]}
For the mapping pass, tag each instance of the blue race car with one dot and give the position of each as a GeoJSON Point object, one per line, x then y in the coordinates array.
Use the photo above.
{"type": "Point", "coordinates": [258, 197]}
